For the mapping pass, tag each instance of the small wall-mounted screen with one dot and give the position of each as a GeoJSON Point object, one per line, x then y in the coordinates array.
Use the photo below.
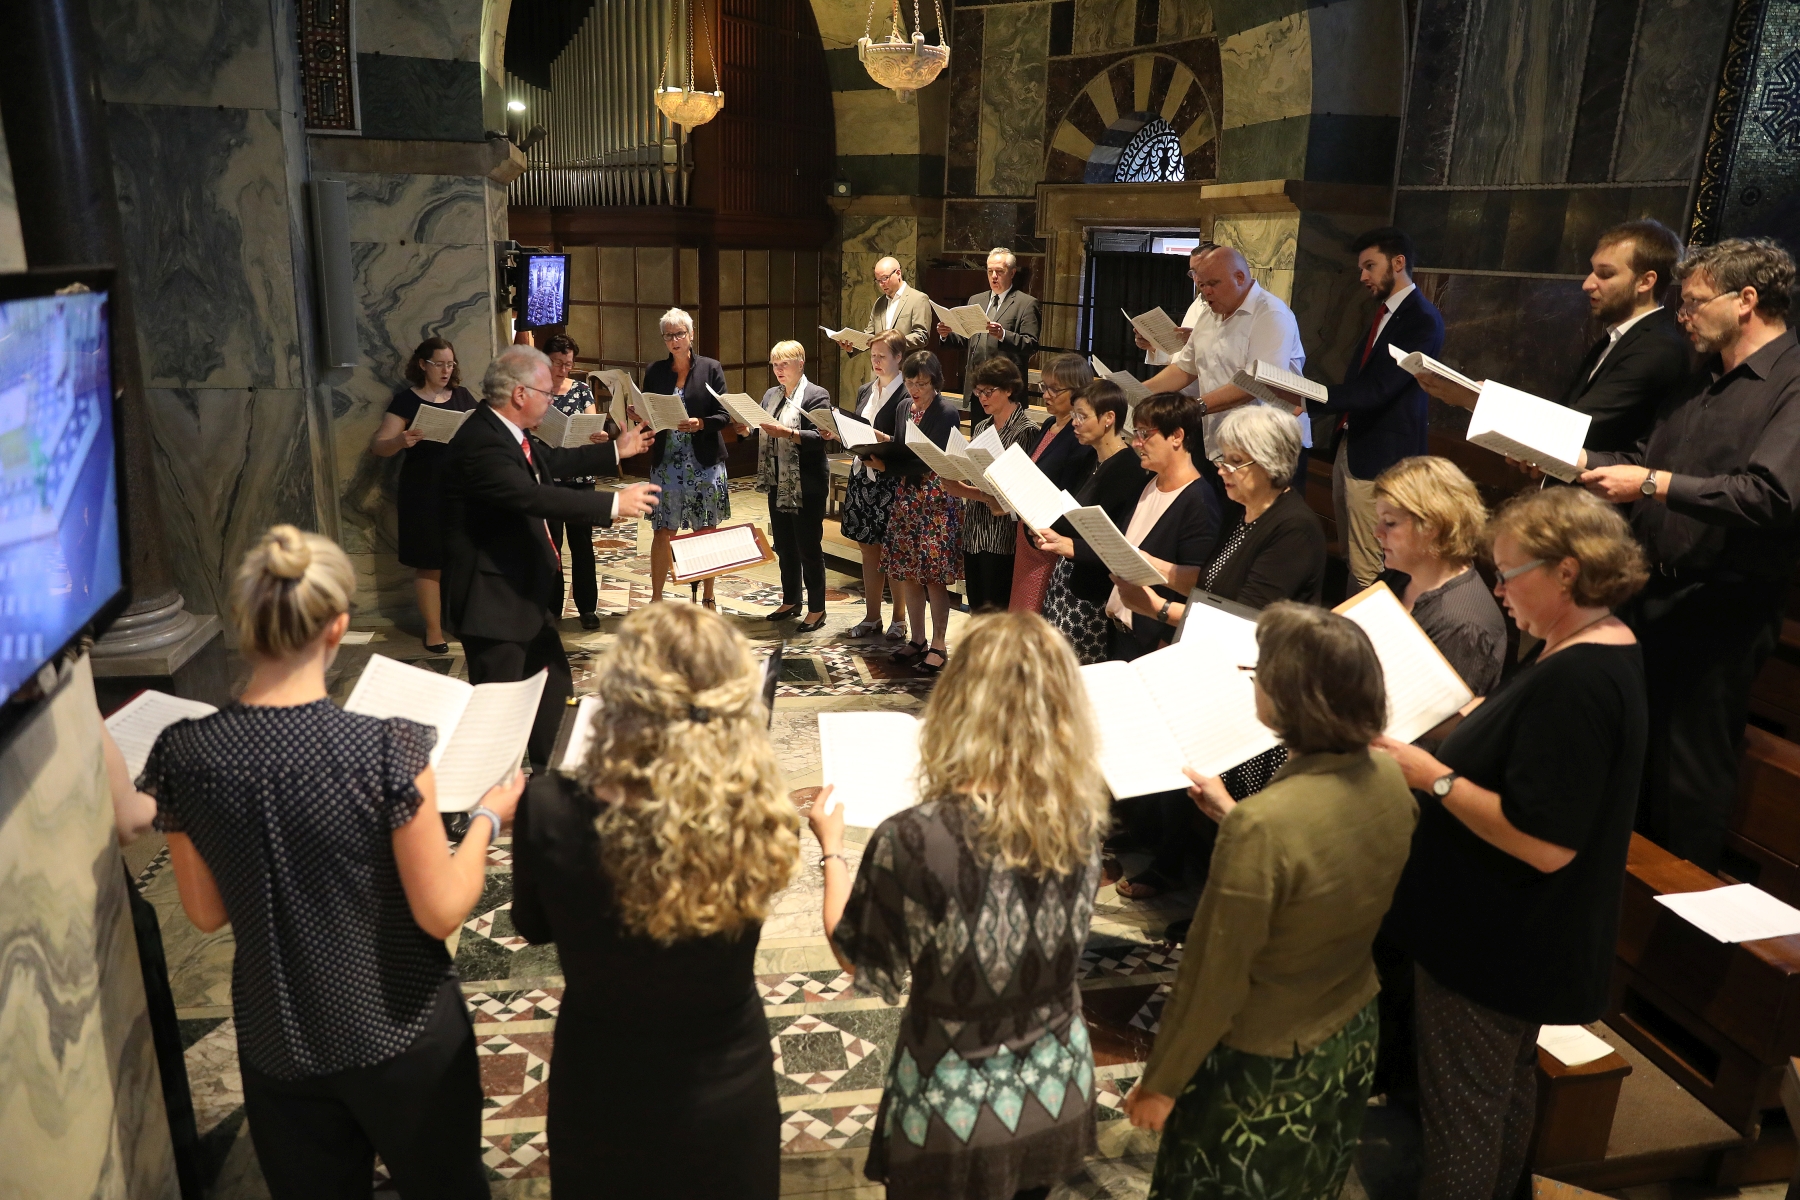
{"type": "Point", "coordinates": [545, 298]}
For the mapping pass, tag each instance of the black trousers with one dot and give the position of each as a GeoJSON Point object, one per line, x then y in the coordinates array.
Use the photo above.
{"type": "Point", "coordinates": [492, 661]}
{"type": "Point", "coordinates": [800, 550]}
{"type": "Point", "coordinates": [987, 581]}
{"type": "Point", "coordinates": [1703, 644]}
{"type": "Point", "coordinates": [317, 1138]}
{"type": "Point", "coordinates": [582, 580]}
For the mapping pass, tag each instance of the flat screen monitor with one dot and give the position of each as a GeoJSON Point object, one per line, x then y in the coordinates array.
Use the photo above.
{"type": "Point", "coordinates": [544, 296]}
{"type": "Point", "coordinates": [62, 551]}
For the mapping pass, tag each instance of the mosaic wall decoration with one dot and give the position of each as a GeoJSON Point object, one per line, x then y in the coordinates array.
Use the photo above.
{"type": "Point", "coordinates": [328, 66]}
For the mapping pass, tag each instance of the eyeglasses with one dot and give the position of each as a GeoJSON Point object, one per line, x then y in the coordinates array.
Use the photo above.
{"type": "Point", "coordinates": [1690, 307]}
{"type": "Point", "coordinates": [1050, 389]}
{"type": "Point", "coordinates": [1249, 669]}
{"type": "Point", "coordinates": [880, 278]}
{"type": "Point", "coordinates": [1507, 576]}
{"type": "Point", "coordinates": [539, 391]}
{"type": "Point", "coordinates": [1230, 468]}
{"type": "Point", "coordinates": [432, 362]}
{"type": "Point", "coordinates": [1143, 435]}
{"type": "Point", "coordinates": [676, 336]}
{"type": "Point", "coordinates": [987, 393]}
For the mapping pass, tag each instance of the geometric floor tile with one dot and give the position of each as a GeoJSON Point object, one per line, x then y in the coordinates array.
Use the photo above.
{"type": "Point", "coordinates": [815, 1129]}
{"type": "Point", "coordinates": [1149, 1017]}
{"type": "Point", "coordinates": [812, 987]}
{"type": "Point", "coordinates": [483, 926]}
{"type": "Point", "coordinates": [1109, 1095]}
{"type": "Point", "coordinates": [514, 1069]}
{"type": "Point", "coordinates": [534, 1005]}
{"type": "Point", "coordinates": [516, 1155]}
{"type": "Point", "coordinates": [815, 1054]}
{"type": "Point", "coordinates": [1129, 959]}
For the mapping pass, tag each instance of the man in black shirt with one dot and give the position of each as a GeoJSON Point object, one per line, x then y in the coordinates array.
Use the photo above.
{"type": "Point", "coordinates": [1714, 489]}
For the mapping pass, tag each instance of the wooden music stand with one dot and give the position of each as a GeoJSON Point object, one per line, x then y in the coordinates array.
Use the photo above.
{"type": "Point", "coordinates": [762, 544]}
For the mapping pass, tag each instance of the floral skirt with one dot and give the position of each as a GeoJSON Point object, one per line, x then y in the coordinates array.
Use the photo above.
{"type": "Point", "coordinates": [1083, 623]}
{"type": "Point", "coordinates": [867, 503]}
{"type": "Point", "coordinates": [924, 533]}
{"type": "Point", "coordinates": [692, 495]}
{"type": "Point", "coordinates": [1249, 1125]}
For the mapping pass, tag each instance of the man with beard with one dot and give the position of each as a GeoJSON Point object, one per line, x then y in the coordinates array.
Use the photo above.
{"type": "Point", "coordinates": [1714, 488]}
{"type": "Point", "coordinates": [1379, 411]}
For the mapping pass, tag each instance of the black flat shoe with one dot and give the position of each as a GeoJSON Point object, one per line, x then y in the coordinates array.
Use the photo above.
{"type": "Point", "coordinates": [590, 620]}
{"type": "Point", "coordinates": [811, 626]}
{"type": "Point", "coordinates": [440, 648]}
{"type": "Point", "coordinates": [783, 614]}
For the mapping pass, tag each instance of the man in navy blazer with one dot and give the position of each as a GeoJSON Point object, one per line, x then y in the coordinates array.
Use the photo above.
{"type": "Point", "coordinates": [1379, 411]}
{"type": "Point", "coordinates": [503, 579]}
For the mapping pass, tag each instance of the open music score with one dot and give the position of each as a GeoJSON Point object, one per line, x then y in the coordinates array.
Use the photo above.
{"type": "Point", "coordinates": [700, 555]}
{"type": "Point", "coordinates": [1026, 490]}
{"type": "Point", "coordinates": [853, 431]}
{"type": "Point", "coordinates": [1279, 386]}
{"type": "Point", "coordinates": [439, 424]}
{"type": "Point", "coordinates": [1158, 330]}
{"type": "Point", "coordinates": [854, 337]}
{"type": "Point", "coordinates": [1423, 689]}
{"type": "Point", "coordinates": [743, 409]}
{"type": "Point", "coordinates": [663, 412]}
{"type": "Point", "coordinates": [1120, 556]}
{"type": "Point", "coordinates": [985, 449]}
{"type": "Point", "coordinates": [1530, 429]}
{"type": "Point", "coordinates": [1419, 363]}
{"type": "Point", "coordinates": [567, 431]}
{"type": "Point", "coordinates": [940, 462]}
{"type": "Point", "coordinates": [137, 725]}
{"type": "Point", "coordinates": [872, 760]}
{"type": "Point", "coordinates": [965, 320]}
{"type": "Point", "coordinates": [618, 385]}
{"type": "Point", "coordinates": [1130, 384]}
{"type": "Point", "coordinates": [823, 418]}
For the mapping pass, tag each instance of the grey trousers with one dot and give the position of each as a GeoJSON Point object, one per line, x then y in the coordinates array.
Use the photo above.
{"type": "Point", "coordinates": [1477, 1095]}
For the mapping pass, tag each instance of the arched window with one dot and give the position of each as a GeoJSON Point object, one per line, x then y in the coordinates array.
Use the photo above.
{"type": "Point", "coordinates": [1153, 155]}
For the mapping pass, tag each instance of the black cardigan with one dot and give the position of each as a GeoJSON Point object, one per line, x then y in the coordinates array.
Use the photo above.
{"type": "Point", "coordinates": [1282, 557]}
{"type": "Point", "coordinates": [1113, 486]}
{"type": "Point", "coordinates": [814, 474]}
{"type": "Point", "coordinates": [935, 423]}
{"type": "Point", "coordinates": [1067, 462]}
{"type": "Point", "coordinates": [1184, 536]}
{"type": "Point", "coordinates": [709, 444]}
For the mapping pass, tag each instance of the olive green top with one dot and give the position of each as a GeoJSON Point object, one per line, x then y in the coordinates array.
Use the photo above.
{"type": "Point", "coordinates": [1277, 959]}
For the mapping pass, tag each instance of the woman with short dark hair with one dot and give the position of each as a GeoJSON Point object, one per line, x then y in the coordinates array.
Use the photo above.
{"type": "Point", "coordinates": [1509, 904]}
{"type": "Point", "coordinates": [1064, 459]}
{"type": "Point", "coordinates": [572, 397]}
{"type": "Point", "coordinates": [434, 377]}
{"type": "Point", "coordinates": [988, 530]}
{"type": "Point", "coordinates": [1261, 1069]}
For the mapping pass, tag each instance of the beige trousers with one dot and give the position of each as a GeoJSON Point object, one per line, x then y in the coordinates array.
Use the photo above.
{"type": "Point", "coordinates": [1354, 500]}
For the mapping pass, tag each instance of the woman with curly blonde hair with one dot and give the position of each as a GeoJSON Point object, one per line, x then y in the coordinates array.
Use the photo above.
{"type": "Point", "coordinates": [982, 893]}
{"type": "Point", "coordinates": [657, 862]}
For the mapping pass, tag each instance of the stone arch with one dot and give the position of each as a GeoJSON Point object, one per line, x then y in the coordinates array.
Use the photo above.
{"type": "Point", "coordinates": [1116, 104]}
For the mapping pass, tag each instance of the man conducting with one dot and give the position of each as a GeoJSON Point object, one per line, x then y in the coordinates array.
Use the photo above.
{"type": "Point", "coordinates": [503, 579]}
{"type": "Point", "coordinates": [1012, 316]}
{"type": "Point", "coordinates": [904, 309]}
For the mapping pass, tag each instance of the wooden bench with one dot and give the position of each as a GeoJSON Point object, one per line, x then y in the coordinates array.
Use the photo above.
{"type": "Point", "coordinates": [1762, 841]}
{"type": "Point", "coordinates": [1575, 1109]}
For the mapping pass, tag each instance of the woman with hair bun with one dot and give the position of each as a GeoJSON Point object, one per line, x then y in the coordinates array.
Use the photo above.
{"type": "Point", "coordinates": [315, 833]}
{"type": "Point", "coordinates": [657, 860]}
{"type": "Point", "coordinates": [434, 377]}
{"type": "Point", "coordinates": [981, 895]}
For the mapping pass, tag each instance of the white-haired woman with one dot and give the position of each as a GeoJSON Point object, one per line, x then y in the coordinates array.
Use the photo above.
{"type": "Point", "coordinates": [689, 460]}
{"type": "Point", "coordinates": [990, 1088]}
{"type": "Point", "coordinates": [314, 832]}
{"type": "Point", "coordinates": [657, 860]}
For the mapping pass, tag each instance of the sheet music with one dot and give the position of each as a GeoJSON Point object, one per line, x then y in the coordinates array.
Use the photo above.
{"type": "Point", "coordinates": [1027, 490]}
{"type": "Point", "coordinates": [1423, 689]}
{"type": "Point", "coordinates": [1420, 363]}
{"type": "Point", "coordinates": [389, 688]}
{"type": "Point", "coordinates": [618, 384]}
{"type": "Point", "coordinates": [438, 424]}
{"type": "Point", "coordinates": [1138, 752]}
{"type": "Point", "coordinates": [581, 734]}
{"type": "Point", "coordinates": [136, 726]}
{"type": "Point", "coordinates": [986, 448]}
{"type": "Point", "coordinates": [1277, 386]}
{"type": "Point", "coordinates": [823, 418]}
{"type": "Point", "coordinates": [1120, 556]}
{"type": "Point", "coordinates": [565, 431]}
{"type": "Point", "coordinates": [708, 552]}
{"type": "Point", "coordinates": [965, 320]}
{"type": "Point", "coordinates": [934, 458]}
{"type": "Point", "coordinates": [854, 432]}
{"type": "Point", "coordinates": [1208, 703]}
{"type": "Point", "coordinates": [743, 409]}
{"type": "Point", "coordinates": [1530, 429]}
{"type": "Point", "coordinates": [1158, 330]}
{"type": "Point", "coordinates": [489, 741]}
{"type": "Point", "coordinates": [1739, 913]}
{"type": "Point", "coordinates": [1130, 384]}
{"type": "Point", "coordinates": [1571, 1045]}
{"type": "Point", "coordinates": [855, 337]}
{"type": "Point", "coordinates": [872, 758]}
{"type": "Point", "coordinates": [663, 412]}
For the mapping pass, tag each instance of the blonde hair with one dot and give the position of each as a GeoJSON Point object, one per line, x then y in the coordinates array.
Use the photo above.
{"type": "Point", "coordinates": [782, 351]}
{"type": "Point", "coordinates": [1434, 492]}
{"type": "Point", "coordinates": [1568, 522]}
{"type": "Point", "coordinates": [289, 587]}
{"type": "Point", "coordinates": [696, 833]}
{"type": "Point", "coordinates": [1009, 736]}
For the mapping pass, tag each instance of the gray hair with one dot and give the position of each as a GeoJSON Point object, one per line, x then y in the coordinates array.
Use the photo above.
{"type": "Point", "coordinates": [513, 367]}
{"type": "Point", "coordinates": [679, 317]}
{"type": "Point", "coordinates": [1737, 263]}
{"type": "Point", "coordinates": [1268, 437]}
{"type": "Point", "coordinates": [1004, 255]}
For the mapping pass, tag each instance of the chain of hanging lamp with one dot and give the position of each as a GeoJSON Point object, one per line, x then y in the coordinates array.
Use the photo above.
{"type": "Point", "coordinates": [899, 63]}
{"type": "Point", "coordinates": [688, 106]}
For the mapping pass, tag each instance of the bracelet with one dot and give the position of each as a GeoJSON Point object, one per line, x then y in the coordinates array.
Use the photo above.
{"type": "Point", "coordinates": [1163, 616]}
{"type": "Point", "coordinates": [482, 810]}
{"type": "Point", "coordinates": [839, 857]}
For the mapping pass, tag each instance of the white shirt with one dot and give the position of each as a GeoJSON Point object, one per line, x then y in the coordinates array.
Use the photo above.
{"type": "Point", "coordinates": [1152, 503]}
{"type": "Point", "coordinates": [878, 397]}
{"type": "Point", "coordinates": [1614, 333]}
{"type": "Point", "coordinates": [1262, 327]}
{"type": "Point", "coordinates": [1390, 304]}
{"type": "Point", "coordinates": [518, 434]}
{"type": "Point", "coordinates": [893, 306]}
{"type": "Point", "coordinates": [995, 300]}
{"type": "Point", "coordinates": [1190, 322]}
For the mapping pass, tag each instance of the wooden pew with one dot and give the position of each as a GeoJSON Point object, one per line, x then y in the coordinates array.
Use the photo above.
{"type": "Point", "coordinates": [1790, 1100]}
{"type": "Point", "coordinates": [1575, 1108]}
{"type": "Point", "coordinates": [1721, 1019]}
{"type": "Point", "coordinates": [1762, 841]}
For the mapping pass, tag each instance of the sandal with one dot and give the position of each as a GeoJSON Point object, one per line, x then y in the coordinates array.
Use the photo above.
{"type": "Point", "coordinates": [711, 603]}
{"type": "Point", "coordinates": [910, 651]}
{"type": "Point", "coordinates": [1147, 885]}
{"type": "Point", "coordinates": [897, 631]}
{"type": "Point", "coordinates": [864, 629]}
{"type": "Point", "coordinates": [932, 668]}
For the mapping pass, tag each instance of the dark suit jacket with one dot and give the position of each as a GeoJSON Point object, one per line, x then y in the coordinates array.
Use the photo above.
{"type": "Point", "coordinates": [1282, 556]}
{"type": "Point", "coordinates": [1386, 406]}
{"type": "Point", "coordinates": [1065, 460]}
{"type": "Point", "coordinates": [814, 473]}
{"type": "Point", "coordinates": [1018, 317]}
{"type": "Point", "coordinates": [936, 424]}
{"type": "Point", "coordinates": [1652, 361]}
{"type": "Point", "coordinates": [709, 445]}
{"type": "Point", "coordinates": [502, 579]}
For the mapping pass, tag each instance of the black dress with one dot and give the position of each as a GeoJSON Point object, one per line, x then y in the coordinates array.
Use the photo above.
{"type": "Point", "coordinates": [421, 497]}
{"type": "Point", "coordinates": [713, 1126]}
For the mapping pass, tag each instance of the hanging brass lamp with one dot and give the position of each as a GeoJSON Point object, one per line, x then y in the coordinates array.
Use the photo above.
{"type": "Point", "coordinates": [688, 106]}
{"type": "Point", "coordinates": [900, 64]}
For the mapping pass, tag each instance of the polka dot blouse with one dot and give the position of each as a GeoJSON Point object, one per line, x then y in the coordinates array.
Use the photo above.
{"type": "Point", "coordinates": [292, 808]}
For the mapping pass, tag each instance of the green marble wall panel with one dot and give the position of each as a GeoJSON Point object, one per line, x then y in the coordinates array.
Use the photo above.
{"type": "Point", "coordinates": [1520, 88]}
{"type": "Point", "coordinates": [1268, 242]}
{"type": "Point", "coordinates": [217, 53]}
{"type": "Point", "coordinates": [1267, 72]}
{"type": "Point", "coordinates": [1178, 19]}
{"type": "Point", "coordinates": [1330, 306]}
{"type": "Point", "coordinates": [1015, 51]}
{"type": "Point", "coordinates": [1270, 150]}
{"type": "Point", "coordinates": [448, 29]}
{"type": "Point", "coordinates": [866, 239]}
{"type": "Point", "coordinates": [1104, 25]}
{"type": "Point", "coordinates": [1674, 71]}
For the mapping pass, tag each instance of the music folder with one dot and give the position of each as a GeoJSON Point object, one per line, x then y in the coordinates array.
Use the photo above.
{"type": "Point", "coordinates": [713, 552]}
{"type": "Point", "coordinates": [1201, 597]}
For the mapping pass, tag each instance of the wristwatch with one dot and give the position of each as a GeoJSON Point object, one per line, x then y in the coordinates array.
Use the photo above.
{"type": "Point", "coordinates": [1203, 408]}
{"type": "Point", "coordinates": [1163, 616]}
{"type": "Point", "coordinates": [1441, 787]}
{"type": "Point", "coordinates": [1648, 487]}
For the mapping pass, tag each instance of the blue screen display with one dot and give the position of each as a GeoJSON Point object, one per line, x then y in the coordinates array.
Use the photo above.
{"type": "Point", "coordinates": [59, 514]}
{"type": "Point", "coordinates": [546, 290]}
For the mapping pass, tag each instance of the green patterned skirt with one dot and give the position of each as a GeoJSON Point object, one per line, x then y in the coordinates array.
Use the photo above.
{"type": "Point", "coordinates": [1248, 1127]}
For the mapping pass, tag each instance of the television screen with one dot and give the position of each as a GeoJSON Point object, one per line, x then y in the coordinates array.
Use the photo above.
{"type": "Point", "coordinates": [61, 553]}
{"type": "Point", "coordinates": [545, 298]}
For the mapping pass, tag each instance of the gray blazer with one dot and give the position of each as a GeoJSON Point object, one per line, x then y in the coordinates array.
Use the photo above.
{"type": "Point", "coordinates": [1018, 318]}
{"type": "Point", "coordinates": [913, 321]}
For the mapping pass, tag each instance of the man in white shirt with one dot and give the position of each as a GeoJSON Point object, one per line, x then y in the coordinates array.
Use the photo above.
{"type": "Point", "coordinates": [898, 307]}
{"type": "Point", "coordinates": [1241, 323]}
{"type": "Point", "coordinates": [1189, 322]}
